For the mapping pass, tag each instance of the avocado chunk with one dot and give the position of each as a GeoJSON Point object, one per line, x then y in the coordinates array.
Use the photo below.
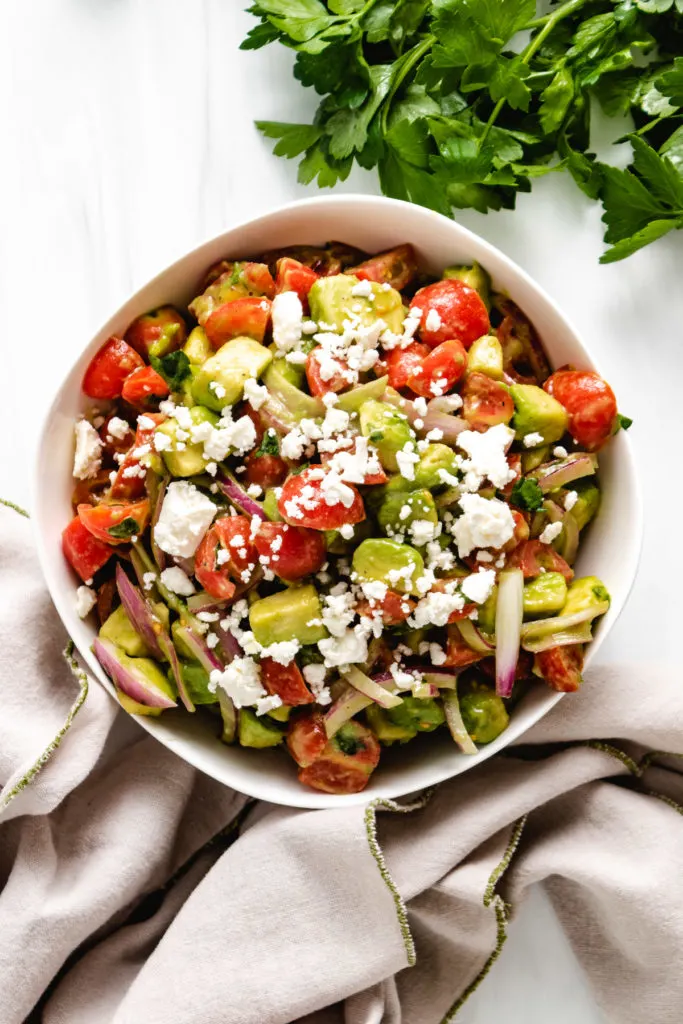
{"type": "Point", "coordinates": [486, 356]}
{"type": "Point", "coordinates": [397, 565]}
{"type": "Point", "coordinates": [537, 413]}
{"type": "Point", "coordinates": [476, 277]}
{"type": "Point", "coordinates": [587, 503]}
{"type": "Point", "coordinates": [435, 458]}
{"type": "Point", "coordinates": [588, 592]}
{"type": "Point", "coordinates": [351, 401]}
{"type": "Point", "coordinates": [270, 506]}
{"type": "Point", "coordinates": [198, 348]}
{"type": "Point", "coordinates": [332, 302]}
{"type": "Point", "coordinates": [483, 713]}
{"type": "Point", "coordinates": [119, 629]}
{"type": "Point", "coordinates": [486, 619]}
{"type": "Point", "coordinates": [423, 714]}
{"type": "Point", "coordinates": [227, 370]}
{"type": "Point", "coordinates": [184, 458]}
{"type": "Point", "coordinates": [386, 731]}
{"type": "Point", "coordinates": [133, 708]}
{"type": "Point", "coordinates": [196, 681]}
{"type": "Point", "coordinates": [287, 616]}
{"type": "Point", "coordinates": [546, 595]}
{"type": "Point", "coordinates": [281, 714]}
{"type": "Point", "coordinates": [258, 732]}
{"type": "Point", "coordinates": [293, 374]}
{"type": "Point", "coordinates": [387, 429]}
{"type": "Point", "coordinates": [400, 509]}
{"type": "Point", "coordinates": [534, 457]}
{"type": "Point", "coordinates": [299, 404]}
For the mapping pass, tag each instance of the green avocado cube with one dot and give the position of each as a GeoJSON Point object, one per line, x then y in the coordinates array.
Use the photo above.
{"type": "Point", "coordinates": [587, 503]}
{"type": "Point", "coordinates": [484, 714]}
{"type": "Point", "coordinates": [475, 276]}
{"type": "Point", "coordinates": [198, 348]}
{"type": "Point", "coordinates": [536, 412]}
{"type": "Point", "coordinates": [292, 614]}
{"type": "Point", "coordinates": [332, 301]}
{"type": "Point", "coordinates": [423, 714]}
{"type": "Point", "coordinates": [133, 708]}
{"type": "Point", "coordinates": [546, 595]}
{"type": "Point", "coordinates": [220, 381]}
{"type": "Point", "coordinates": [258, 732]}
{"type": "Point", "coordinates": [587, 592]}
{"type": "Point", "coordinates": [184, 458]}
{"type": "Point", "coordinates": [387, 429]}
{"type": "Point", "coordinates": [434, 458]}
{"type": "Point", "coordinates": [399, 509]}
{"type": "Point", "coordinates": [386, 731]}
{"type": "Point", "coordinates": [119, 629]}
{"type": "Point", "coordinates": [399, 566]}
{"type": "Point", "coordinates": [486, 356]}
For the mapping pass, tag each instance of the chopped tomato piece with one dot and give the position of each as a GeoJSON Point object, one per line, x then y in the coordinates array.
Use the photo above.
{"type": "Point", "coordinates": [486, 402]}
{"type": "Point", "coordinates": [105, 600]}
{"type": "Point", "coordinates": [456, 308]}
{"type": "Point", "coordinates": [115, 524]}
{"type": "Point", "coordinates": [156, 333]}
{"type": "Point", "coordinates": [303, 502]}
{"type": "Point", "coordinates": [590, 404]}
{"type": "Point", "coordinates": [286, 681]}
{"type": "Point", "coordinates": [292, 276]}
{"type": "Point", "coordinates": [84, 552]}
{"type": "Point", "coordinates": [129, 484]}
{"type": "Point", "coordinates": [440, 371]}
{"type": "Point", "coordinates": [394, 608]}
{"type": "Point", "coordinates": [225, 551]}
{"type": "Point", "coordinates": [346, 763]}
{"type": "Point", "coordinates": [109, 368]}
{"type": "Point", "coordinates": [247, 317]}
{"type": "Point", "coordinates": [561, 667]}
{"type": "Point", "coordinates": [402, 363]}
{"type": "Point", "coordinates": [458, 653]}
{"type": "Point", "coordinates": [91, 491]}
{"type": "Point", "coordinates": [143, 387]}
{"type": "Point", "coordinates": [322, 385]}
{"type": "Point", "coordinates": [523, 669]}
{"type": "Point", "coordinates": [306, 737]}
{"type": "Point", "coordinates": [523, 356]}
{"type": "Point", "coordinates": [293, 551]}
{"type": "Point", "coordinates": [534, 556]}
{"type": "Point", "coordinates": [110, 442]}
{"type": "Point", "coordinates": [247, 278]}
{"type": "Point", "coordinates": [521, 531]}
{"type": "Point", "coordinates": [515, 463]}
{"type": "Point", "coordinates": [396, 267]}
{"type": "Point", "coordinates": [265, 470]}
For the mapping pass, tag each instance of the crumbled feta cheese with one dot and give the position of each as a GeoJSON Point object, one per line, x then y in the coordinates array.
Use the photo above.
{"type": "Point", "coordinates": [335, 491]}
{"type": "Point", "coordinates": [362, 290]}
{"type": "Point", "coordinates": [287, 318]}
{"type": "Point", "coordinates": [420, 406]}
{"type": "Point", "coordinates": [241, 682]}
{"type": "Point", "coordinates": [87, 458]}
{"type": "Point", "coordinates": [487, 454]}
{"type": "Point", "coordinates": [433, 320]}
{"type": "Point", "coordinates": [315, 677]}
{"type": "Point", "coordinates": [186, 515]}
{"type": "Point", "coordinates": [559, 452]}
{"type": "Point", "coordinates": [254, 393]}
{"type": "Point", "coordinates": [254, 491]}
{"type": "Point", "coordinates": [284, 652]}
{"type": "Point", "coordinates": [403, 680]}
{"type": "Point", "coordinates": [86, 599]}
{"type": "Point", "coordinates": [484, 556]}
{"type": "Point", "coordinates": [349, 649]}
{"type": "Point", "coordinates": [570, 499]}
{"type": "Point", "coordinates": [212, 640]}
{"type": "Point", "coordinates": [309, 327]}
{"type": "Point", "coordinates": [485, 523]}
{"type": "Point", "coordinates": [374, 590]}
{"type": "Point", "coordinates": [479, 585]}
{"type": "Point", "coordinates": [437, 655]}
{"type": "Point", "coordinates": [532, 440]}
{"type": "Point", "coordinates": [218, 390]}
{"type": "Point", "coordinates": [436, 609]}
{"type": "Point", "coordinates": [422, 531]}
{"type": "Point", "coordinates": [266, 704]}
{"type": "Point", "coordinates": [551, 531]}
{"type": "Point", "coordinates": [406, 460]}
{"type": "Point", "coordinates": [118, 428]}
{"type": "Point", "coordinates": [178, 582]}
{"type": "Point", "coordinates": [347, 531]}
{"type": "Point", "coordinates": [148, 580]}
{"type": "Point", "coordinates": [161, 442]}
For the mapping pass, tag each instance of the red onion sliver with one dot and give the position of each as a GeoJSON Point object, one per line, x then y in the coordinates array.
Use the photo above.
{"type": "Point", "coordinates": [451, 707]}
{"type": "Point", "coordinates": [141, 690]}
{"type": "Point", "coordinates": [138, 610]}
{"type": "Point", "coordinates": [169, 651]}
{"type": "Point", "coordinates": [371, 688]}
{"type": "Point", "coordinates": [509, 611]}
{"type": "Point", "coordinates": [343, 709]}
{"type": "Point", "coordinates": [474, 638]}
{"type": "Point", "coordinates": [239, 497]}
{"type": "Point", "coordinates": [200, 649]}
{"type": "Point", "coordinates": [557, 474]}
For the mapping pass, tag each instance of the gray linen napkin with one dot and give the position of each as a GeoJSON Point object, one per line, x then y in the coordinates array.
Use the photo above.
{"type": "Point", "coordinates": [133, 888]}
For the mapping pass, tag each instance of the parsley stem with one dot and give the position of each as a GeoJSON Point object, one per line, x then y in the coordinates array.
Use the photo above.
{"type": "Point", "coordinates": [411, 58]}
{"type": "Point", "coordinates": [650, 124]}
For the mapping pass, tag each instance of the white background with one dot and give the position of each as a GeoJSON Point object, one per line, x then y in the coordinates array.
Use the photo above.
{"type": "Point", "coordinates": [127, 138]}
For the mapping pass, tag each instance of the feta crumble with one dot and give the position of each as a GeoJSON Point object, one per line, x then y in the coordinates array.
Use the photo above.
{"type": "Point", "coordinates": [287, 318]}
{"type": "Point", "coordinates": [87, 458]}
{"type": "Point", "coordinates": [178, 582]}
{"type": "Point", "coordinates": [550, 533]}
{"type": "Point", "coordinates": [478, 586]}
{"type": "Point", "coordinates": [570, 499]}
{"type": "Point", "coordinates": [240, 680]}
{"type": "Point", "coordinates": [86, 599]}
{"type": "Point", "coordinates": [485, 523]}
{"type": "Point", "coordinates": [186, 515]}
{"type": "Point", "coordinates": [532, 440]}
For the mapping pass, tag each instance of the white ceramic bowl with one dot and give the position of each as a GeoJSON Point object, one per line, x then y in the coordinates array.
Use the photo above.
{"type": "Point", "coordinates": [610, 549]}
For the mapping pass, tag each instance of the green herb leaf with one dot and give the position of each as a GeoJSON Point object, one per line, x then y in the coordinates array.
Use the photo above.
{"type": "Point", "coordinates": [527, 494]}
{"type": "Point", "coordinates": [671, 82]}
{"type": "Point", "coordinates": [294, 138]}
{"type": "Point", "coordinates": [127, 528]}
{"type": "Point", "coordinates": [650, 233]}
{"type": "Point", "coordinates": [270, 444]}
{"type": "Point", "coordinates": [174, 367]}
{"type": "Point", "coordinates": [623, 422]}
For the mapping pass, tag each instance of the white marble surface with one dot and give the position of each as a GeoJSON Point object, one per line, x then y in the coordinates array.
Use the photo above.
{"type": "Point", "coordinates": [127, 138]}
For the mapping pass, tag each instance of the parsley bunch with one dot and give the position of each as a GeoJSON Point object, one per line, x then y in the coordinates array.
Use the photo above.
{"type": "Point", "coordinates": [462, 103]}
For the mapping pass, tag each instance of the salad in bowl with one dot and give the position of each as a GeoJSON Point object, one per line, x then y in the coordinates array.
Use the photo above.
{"type": "Point", "coordinates": [333, 504]}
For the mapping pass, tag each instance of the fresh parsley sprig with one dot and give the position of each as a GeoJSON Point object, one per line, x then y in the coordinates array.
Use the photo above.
{"type": "Point", "coordinates": [463, 103]}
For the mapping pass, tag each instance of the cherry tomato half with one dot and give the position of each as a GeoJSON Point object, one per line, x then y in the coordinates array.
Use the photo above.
{"type": "Point", "coordinates": [458, 653]}
{"type": "Point", "coordinates": [109, 368]}
{"type": "Point", "coordinates": [346, 763]}
{"type": "Point", "coordinates": [156, 333]}
{"type": "Point", "coordinates": [286, 681]}
{"type": "Point", "coordinates": [397, 267]}
{"type": "Point", "coordinates": [132, 484]}
{"type": "Point", "coordinates": [561, 667]}
{"type": "Point", "coordinates": [401, 363]}
{"type": "Point", "coordinates": [440, 371]}
{"type": "Point", "coordinates": [319, 385]}
{"type": "Point", "coordinates": [590, 403]}
{"type": "Point", "coordinates": [486, 402]}
{"type": "Point", "coordinates": [306, 737]}
{"type": "Point", "coordinates": [394, 608]}
{"type": "Point", "coordinates": [143, 387]}
{"type": "Point", "coordinates": [292, 276]}
{"type": "Point", "coordinates": [84, 552]}
{"type": "Point", "coordinates": [458, 309]}
{"type": "Point", "coordinates": [294, 551]}
{"type": "Point", "coordinates": [115, 524]}
{"type": "Point", "coordinates": [230, 535]}
{"type": "Point", "coordinates": [302, 502]}
{"type": "Point", "coordinates": [247, 278]}
{"type": "Point", "coordinates": [265, 470]}
{"type": "Point", "coordinates": [533, 557]}
{"type": "Point", "coordinates": [248, 317]}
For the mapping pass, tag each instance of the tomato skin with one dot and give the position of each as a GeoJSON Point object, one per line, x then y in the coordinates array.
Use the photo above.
{"type": "Point", "coordinates": [391, 608]}
{"type": "Point", "coordinates": [514, 461]}
{"type": "Point", "coordinates": [316, 384]}
{"type": "Point", "coordinates": [156, 333]}
{"type": "Point", "coordinates": [440, 371]}
{"type": "Point", "coordinates": [521, 532]}
{"type": "Point", "coordinates": [561, 667]}
{"type": "Point", "coordinates": [247, 317]}
{"type": "Point", "coordinates": [306, 737]}
{"type": "Point", "coordinates": [286, 681]}
{"type": "Point", "coordinates": [113, 444]}
{"type": "Point", "coordinates": [251, 279]}
{"type": "Point", "coordinates": [590, 404]}
{"type": "Point", "coordinates": [213, 576]}
{"type": "Point", "coordinates": [102, 518]}
{"type": "Point", "coordinates": [84, 553]}
{"type": "Point", "coordinates": [320, 516]}
{"type": "Point", "coordinates": [396, 267]}
{"type": "Point", "coordinates": [532, 556]}
{"type": "Point", "coordinates": [109, 368]}
{"type": "Point", "coordinates": [265, 470]}
{"type": "Point", "coordinates": [143, 387]}
{"type": "Point", "coordinates": [463, 314]}
{"type": "Point", "coordinates": [458, 653]}
{"type": "Point", "coordinates": [134, 486]}
{"type": "Point", "coordinates": [292, 276]}
{"type": "Point", "coordinates": [486, 402]}
{"type": "Point", "coordinates": [401, 363]}
{"type": "Point", "coordinates": [301, 553]}
{"type": "Point", "coordinates": [335, 771]}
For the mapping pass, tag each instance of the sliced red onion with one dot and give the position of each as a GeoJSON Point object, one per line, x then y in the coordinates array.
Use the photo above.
{"type": "Point", "coordinates": [159, 555]}
{"type": "Point", "coordinates": [226, 641]}
{"type": "Point", "coordinates": [437, 675]}
{"type": "Point", "coordinates": [134, 685]}
{"type": "Point", "coordinates": [343, 709]}
{"type": "Point", "coordinates": [451, 707]}
{"type": "Point", "coordinates": [295, 401]}
{"type": "Point", "coordinates": [239, 497]}
{"type": "Point", "coordinates": [544, 627]}
{"type": "Point", "coordinates": [203, 602]}
{"type": "Point", "coordinates": [474, 638]}
{"type": "Point", "coordinates": [449, 425]}
{"type": "Point", "coordinates": [229, 716]}
{"type": "Point", "coordinates": [139, 611]}
{"type": "Point", "coordinates": [372, 689]}
{"type": "Point", "coordinates": [509, 611]}
{"type": "Point", "coordinates": [276, 415]}
{"type": "Point", "coordinates": [557, 474]}
{"type": "Point", "coordinates": [170, 654]}
{"type": "Point", "coordinates": [569, 541]}
{"type": "Point", "coordinates": [186, 564]}
{"type": "Point", "coordinates": [200, 649]}
{"type": "Point", "coordinates": [581, 634]}
{"type": "Point", "coordinates": [425, 690]}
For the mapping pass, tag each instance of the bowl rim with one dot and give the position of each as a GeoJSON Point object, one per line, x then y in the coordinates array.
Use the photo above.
{"type": "Point", "coordinates": [313, 799]}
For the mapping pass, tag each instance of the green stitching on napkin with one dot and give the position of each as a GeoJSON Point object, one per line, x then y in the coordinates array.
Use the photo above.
{"type": "Point", "coordinates": [376, 851]}
{"type": "Point", "coordinates": [620, 755]}
{"type": "Point", "coordinates": [501, 909]}
{"type": "Point", "coordinates": [40, 763]}
{"type": "Point", "coordinates": [17, 508]}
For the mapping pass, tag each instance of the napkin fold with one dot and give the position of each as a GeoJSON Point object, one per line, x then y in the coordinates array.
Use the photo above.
{"type": "Point", "coordinates": [133, 888]}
